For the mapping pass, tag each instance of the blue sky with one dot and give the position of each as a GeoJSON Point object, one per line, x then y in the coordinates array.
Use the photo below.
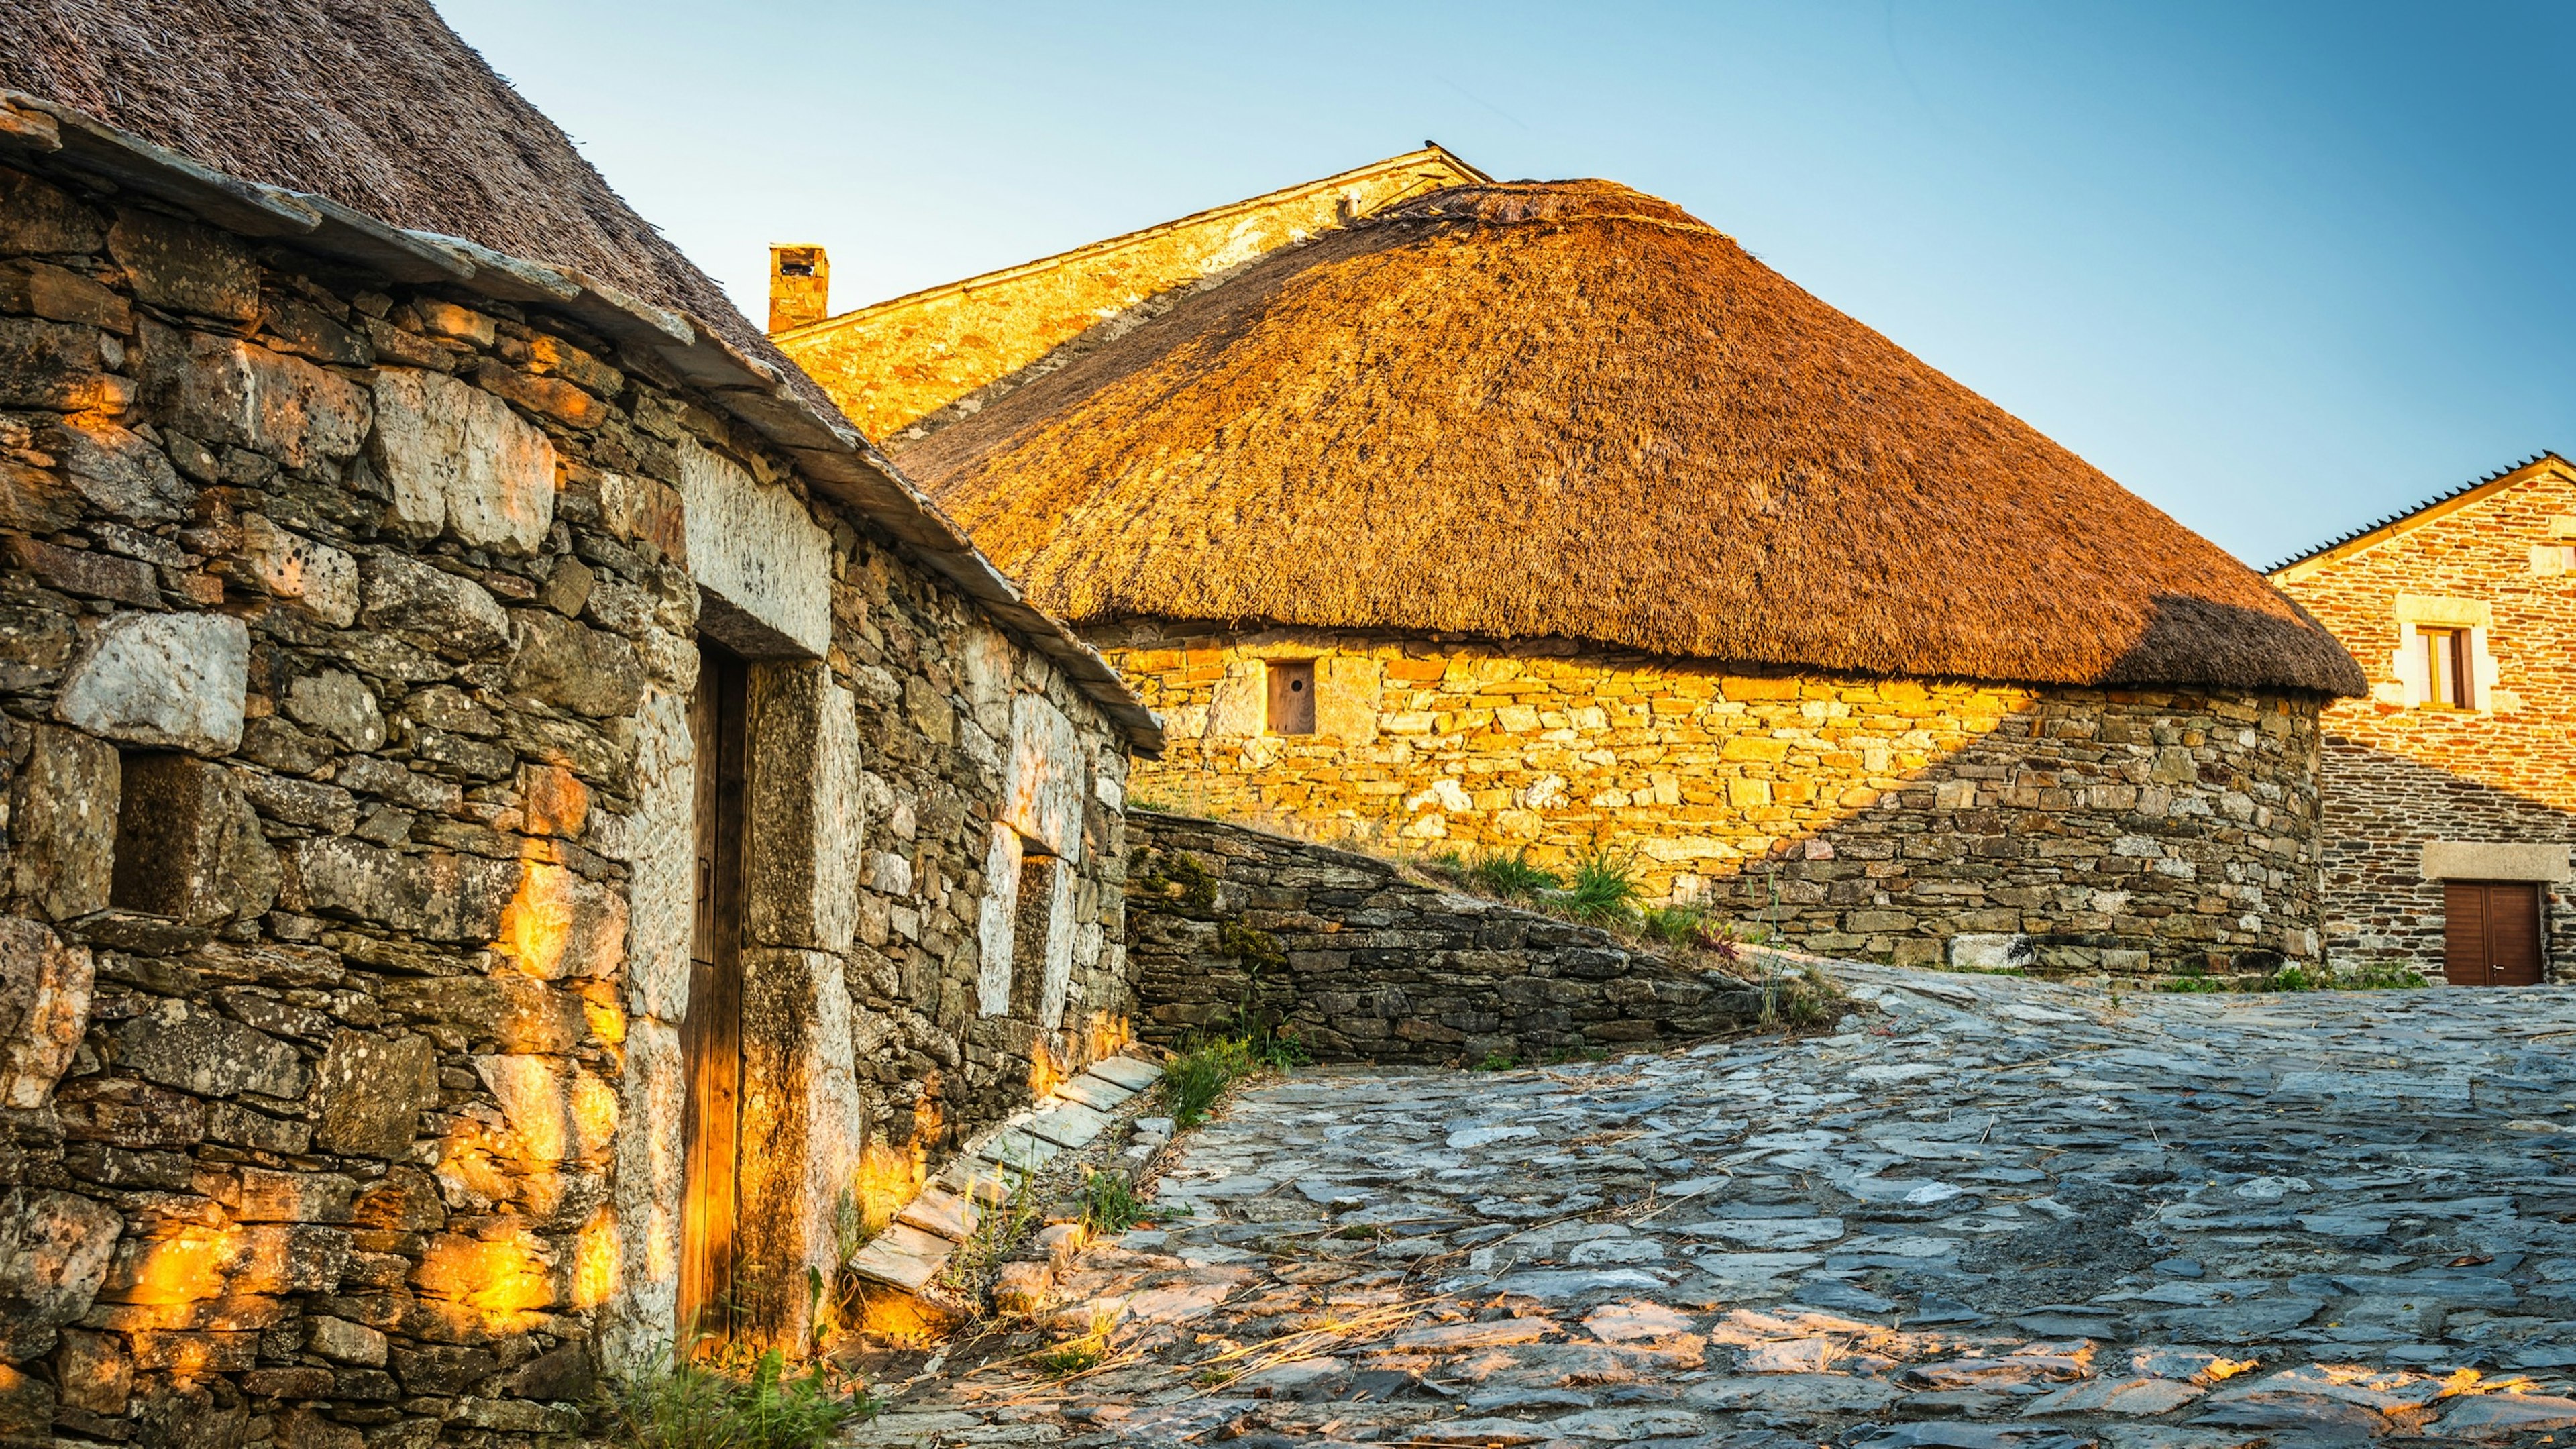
{"type": "Point", "coordinates": [2279, 268]}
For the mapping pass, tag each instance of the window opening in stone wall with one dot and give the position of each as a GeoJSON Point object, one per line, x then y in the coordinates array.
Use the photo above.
{"type": "Point", "coordinates": [155, 834]}
{"type": "Point", "coordinates": [1029, 929]}
{"type": "Point", "coordinates": [2446, 672]}
{"type": "Point", "coordinates": [1292, 696]}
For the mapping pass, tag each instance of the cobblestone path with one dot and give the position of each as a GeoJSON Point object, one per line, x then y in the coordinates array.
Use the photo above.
{"type": "Point", "coordinates": [1988, 1213]}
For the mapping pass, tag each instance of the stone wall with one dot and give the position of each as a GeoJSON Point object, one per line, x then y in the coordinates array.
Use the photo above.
{"type": "Point", "coordinates": [346, 634]}
{"type": "Point", "coordinates": [2399, 774]}
{"type": "Point", "coordinates": [1910, 821]}
{"type": "Point", "coordinates": [1232, 925]}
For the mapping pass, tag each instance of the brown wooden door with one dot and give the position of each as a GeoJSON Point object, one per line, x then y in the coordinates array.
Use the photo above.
{"type": "Point", "coordinates": [2491, 933]}
{"type": "Point", "coordinates": [711, 1036]}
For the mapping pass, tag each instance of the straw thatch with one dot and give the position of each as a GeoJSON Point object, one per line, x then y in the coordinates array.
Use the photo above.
{"type": "Point", "coordinates": [372, 103]}
{"type": "Point", "coordinates": [1571, 410]}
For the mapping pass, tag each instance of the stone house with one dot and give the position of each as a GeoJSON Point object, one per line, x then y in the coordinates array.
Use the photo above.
{"type": "Point", "coordinates": [1542, 517]}
{"type": "Point", "coordinates": [2448, 786]}
{"type": "Point", "coordinates": [516, 811]}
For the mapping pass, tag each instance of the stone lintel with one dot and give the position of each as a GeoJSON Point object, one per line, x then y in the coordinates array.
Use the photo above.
{"type": "Point", "coordinates": [2494, 860]}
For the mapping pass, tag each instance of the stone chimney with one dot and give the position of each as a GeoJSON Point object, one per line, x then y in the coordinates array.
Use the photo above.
{"type": "Point", "coordinates": [800, 286]}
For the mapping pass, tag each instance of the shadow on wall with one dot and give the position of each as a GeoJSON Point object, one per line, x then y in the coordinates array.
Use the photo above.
{"type": "Point", "coordinates": [2380, 809]}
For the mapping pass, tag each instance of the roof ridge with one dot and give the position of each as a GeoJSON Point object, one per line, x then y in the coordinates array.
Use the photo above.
{"type": "Point", "coordinates": [2437, 500]}
{"type": "Point", "coordinates": [1106, 245]}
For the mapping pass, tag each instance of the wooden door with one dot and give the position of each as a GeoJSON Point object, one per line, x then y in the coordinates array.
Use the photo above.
{"type": "Point", "coordinates": [711, 1036]}
{"type": "Point", "coordinates": [2491, 933]}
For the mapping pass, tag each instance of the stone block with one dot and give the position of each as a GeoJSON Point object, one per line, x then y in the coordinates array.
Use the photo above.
{"type": "Point", "coordinates": [44, 1008]}
{"type": "Point", "coordinates": [800, 1084]}
{"type": "Point", "coordinates": [118, 472]}
{"type": "Point", "coordinates": [756, 552]}
{"type": "Point", "coordinates": [126, 1112]}
{"type": "Point", "coordinates": [225, 390]}
{"type": "Point", "coordinates": [318, 579]}
{"type": "Point", "coordinates": [1042, 788]}
{"type": "Point", "coordinates": [172, 681]}
{"type": "Point", "coordinates": [188, 1046]}
{"type": "Point", "coordinates": [801, 874]}
{"type": "Point", "coordinates": [341, 1341]}
{"type": "Point", "coordinates": [638, 1321]}
{"type": "Point", "coordinates": [457, 615]}
{"type": "Point", "coordinates": [93, 1373]}
{"type": "Point", "coordinates": [55, 1248]}
{"type": "Point", "coordinates": [515, 1011]}
{"type": "Point", "coordinates": [87, 573]}
{"type": "Point", "coordinates": [996, 922]}
{"type": "Point", "coordinates": [263, 1195]}
{"type": "Point", "coordinates": [371, 1092]}
{"type": "Point", "coordinates": [38, 217]}
{"type": "Point", "coordinates": [588, 671]}
{"type": "Point", "coordinates": [184, 267]}
{"type": "Point", "coordinates": [55, 365]}
{"type": "Point", "coordinates": [662, 879]}
{"type": "Point", "coordinates": [62, 295]}
{"type": "Point", "coordinates": [64, 822]}
{"type": "Point", "coordinates": [557, 1110]}
{"type": "Point", "coordinates": [559, 924]}
{"type": "Point", "coordinates": [458, 459]}
{"type": "Point", "coordinates": [340, 705]}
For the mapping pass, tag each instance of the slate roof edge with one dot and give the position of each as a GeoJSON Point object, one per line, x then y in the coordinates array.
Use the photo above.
{"type": "Point", "coordinates": [2371, 535]}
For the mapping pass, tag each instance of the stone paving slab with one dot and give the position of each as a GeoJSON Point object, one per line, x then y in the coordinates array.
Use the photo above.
{"type": "Point", "coordinates": [1986, 1214]}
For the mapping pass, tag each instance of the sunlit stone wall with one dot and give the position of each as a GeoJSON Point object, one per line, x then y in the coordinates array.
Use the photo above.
{"type": "Point", "coordinates": [1916, 821]}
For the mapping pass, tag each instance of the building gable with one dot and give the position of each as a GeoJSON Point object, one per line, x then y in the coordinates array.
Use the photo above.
{"type": "Point", "coordinates": [896, 363]}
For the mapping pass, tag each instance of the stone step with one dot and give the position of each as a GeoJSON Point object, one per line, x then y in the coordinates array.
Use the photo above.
{"type": "Point", "coordinates": [1133, 1073]}
{"type": "Point", "coordinates": [1098, 1093]}
{"type": "Point", "coordinates": [1068, 1124]}
{"type": "Point", "coordinates": [903, 1256]}
{"type": "Point", "coordinates": [948, 1214]}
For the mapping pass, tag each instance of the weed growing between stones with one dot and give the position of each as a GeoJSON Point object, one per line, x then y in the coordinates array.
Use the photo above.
{"type": "Point", "coordinates": [2378, 976]}
{"type": "Point", "coordinates": [1604, 890]}
{"type": "Point", "coordinates": [1801, 999]}
{"type": "Point", "coordinates": [1002, 1227]}
{"type": "Point", "coordinates": [1510, 876]}
{"type": "Point", "coordinates": [728, 1399]}
{"type": "Point", "coordinates": [1496, 1062]}
{"type": "Point", "coordinates": [1109, 1203]}
{"type": "Point", "coordinates": [1079, 1354]}
{"type": "Point", "coordinates": [1203, 1068]}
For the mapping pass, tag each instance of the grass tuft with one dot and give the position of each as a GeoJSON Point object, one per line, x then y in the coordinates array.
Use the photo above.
{"type": "Point", "coordinates": [1110, 1203]}
{"type": "Point", "coordinates": [1604, 890]}
{"type": "Point", "coordinates": [733, 1402]}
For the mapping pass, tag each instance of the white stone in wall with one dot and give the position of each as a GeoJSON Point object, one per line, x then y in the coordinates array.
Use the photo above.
{"type": "Point", "coordinates": [44, 1007]}
{"type": "Point", "coordinates": [1042, 793]}
{"type": "Point", "coordinates": [994, 921]}
{"type": "Point", "coordinates": [988, 679]}
{"type": "Point", "coordinates": [662, 883]}
{"type": "Point", "coordinates": [639, 1318]}
{"type": "Point", "coordinates": [1239, 706]}
{"type": "Point", "coordinates": [168, 680]}
{"type": "Point", "coordinates": [457, 458]}
{"type": "Point", "coordinates": [319, 579]}
{"type": "Point", "coordinates": [757, 549]}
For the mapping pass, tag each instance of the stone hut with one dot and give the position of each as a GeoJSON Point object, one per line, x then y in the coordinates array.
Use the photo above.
{"type": "Point", "coordinates": [1543, 517]}
{"type": "Point", "coordinates": [517, 813]}
{"type": "Point", "coordinates": [2449, 786]}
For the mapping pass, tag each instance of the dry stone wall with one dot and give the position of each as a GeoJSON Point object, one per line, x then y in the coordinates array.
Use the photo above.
{"type": "Point", "coordinates": [1919, 822]}
{"type": "Point", "coordinates": [1237, 927]}
{"type": "Point", "coordinates": [346, 634]}
{"type": "Point", "coordinates": [2397, 774]}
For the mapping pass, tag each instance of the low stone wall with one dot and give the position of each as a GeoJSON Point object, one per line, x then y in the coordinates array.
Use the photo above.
{"type": "Point", "coordinates": [1227, 923]}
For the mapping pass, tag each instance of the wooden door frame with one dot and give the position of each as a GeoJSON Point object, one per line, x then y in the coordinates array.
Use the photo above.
{"type": "Point", "coordinates": [711, 1032]}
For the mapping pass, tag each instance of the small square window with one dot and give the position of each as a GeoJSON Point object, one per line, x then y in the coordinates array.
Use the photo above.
{"type": "Point", "coordinates": [2446, 668]}
{"type": "Point", "coordinates": [1292, 696]}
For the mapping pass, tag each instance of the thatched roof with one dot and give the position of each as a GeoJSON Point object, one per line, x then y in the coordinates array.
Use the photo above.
{"type": "Point", "coordinates": [365, 132]}
{"type": "Point", "coordinates": [375, 104]}
{"type": "Point", "coordinates": [1571, 410]}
